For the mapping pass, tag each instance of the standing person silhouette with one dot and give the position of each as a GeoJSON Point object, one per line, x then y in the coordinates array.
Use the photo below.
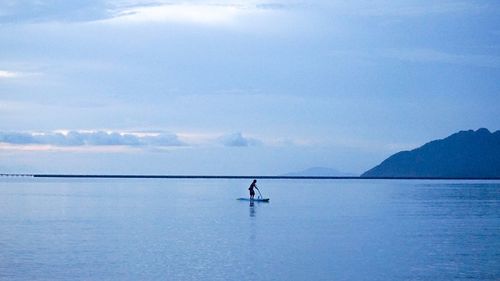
{"type": "Point", "coordinates": [252, 186]}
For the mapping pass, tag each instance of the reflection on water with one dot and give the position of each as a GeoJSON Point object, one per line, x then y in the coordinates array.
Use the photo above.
{"type": "Point", "coordinates": [253, 206]}
{"type": "Point", "coordinates": [252, 209]}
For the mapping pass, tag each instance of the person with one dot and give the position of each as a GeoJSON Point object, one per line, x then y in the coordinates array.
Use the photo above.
{"type": "Point", "coordinates": [252, 186]}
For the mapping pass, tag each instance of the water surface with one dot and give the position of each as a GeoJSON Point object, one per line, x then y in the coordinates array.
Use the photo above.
{"type": "Point", "coordinates": [164, 229]}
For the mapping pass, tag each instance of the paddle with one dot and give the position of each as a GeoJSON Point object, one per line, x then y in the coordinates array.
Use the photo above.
{"type": "Point", "coordinates": [260, 195]}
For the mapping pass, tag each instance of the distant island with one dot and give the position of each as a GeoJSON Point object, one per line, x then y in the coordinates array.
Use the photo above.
{"type": "Point", "coordinates": [317, 172]}
{"type": "Point", "coordinates": [466, 154]}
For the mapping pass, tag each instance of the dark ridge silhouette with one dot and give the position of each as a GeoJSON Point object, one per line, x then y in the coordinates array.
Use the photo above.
{"type": "Point", "coordinates": [466, 154]}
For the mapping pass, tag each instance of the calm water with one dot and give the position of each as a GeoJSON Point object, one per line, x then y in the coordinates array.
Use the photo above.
{"type": "Point", "coordinates": [195, 230]}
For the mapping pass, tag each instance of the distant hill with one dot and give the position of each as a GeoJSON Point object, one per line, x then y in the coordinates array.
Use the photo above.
{"type": "Point", "coordinates": [464, 154]}
{"type": "Point", "coordinates": [317, 172]}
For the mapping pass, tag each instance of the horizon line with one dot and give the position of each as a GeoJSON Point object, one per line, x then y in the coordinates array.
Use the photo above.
{"type": "Point", "coordinates": [236, 177]}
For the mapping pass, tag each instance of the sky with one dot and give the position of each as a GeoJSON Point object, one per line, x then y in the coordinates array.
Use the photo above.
{"type": "Point", "coordinates": [239, 87]}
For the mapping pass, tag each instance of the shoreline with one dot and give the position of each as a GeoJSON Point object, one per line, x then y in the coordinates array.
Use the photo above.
{"type": "Point", "coordinates": [239, 177]}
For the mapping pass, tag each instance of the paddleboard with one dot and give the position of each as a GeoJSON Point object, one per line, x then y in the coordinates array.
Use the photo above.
{"type": "Point", "coordinates": [254, 200]}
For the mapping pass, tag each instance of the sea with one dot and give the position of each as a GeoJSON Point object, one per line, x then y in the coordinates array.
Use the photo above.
{"type": "Point", "coordinates": [195, 229]}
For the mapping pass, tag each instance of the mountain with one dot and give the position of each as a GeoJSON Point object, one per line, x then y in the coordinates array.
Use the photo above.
{"type": "Point", "coordinates": [466, 154]}
{"type": "Point", "coordinates": [317, 172]}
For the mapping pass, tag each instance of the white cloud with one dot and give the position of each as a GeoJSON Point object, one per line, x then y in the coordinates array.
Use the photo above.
{"type": "Point", "coordinates": [183, 13]}
{"type": "Point", "coordinates": [9, 74]}
{"type": "Point", "coordinates": [65, 139]}
{"type": "Point", "coordinates": [90, 138]}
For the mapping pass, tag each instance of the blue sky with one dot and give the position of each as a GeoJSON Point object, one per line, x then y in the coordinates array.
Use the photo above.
{"type": "Point", "coordinates": [239, 87]}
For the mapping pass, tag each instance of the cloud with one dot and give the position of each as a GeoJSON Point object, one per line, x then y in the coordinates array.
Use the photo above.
{"type": "Point", "coordinates": [17, 138]}
{"type": "Point", "coordinates": [212, 12]}
{"type": "Point", "coordinates": [238, 140]}
{"type": "Point", "coordinates": [122, 141]}
{"type": "Point", "coordinates": [200, 12]}
{"type": "Point", "coordinates": [8, 74]}
{"type": "Point", "coordinates": [90, 138]}
{"type": "Point", "coordinates": [181, 13]}
{"type": "Point", "coordinates": [163, 139]}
